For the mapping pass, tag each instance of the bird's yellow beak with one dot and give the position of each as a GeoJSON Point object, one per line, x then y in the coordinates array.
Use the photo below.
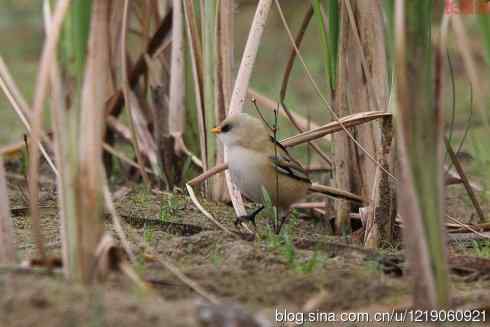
{"type": "Point", "coordinates": [216, 130]}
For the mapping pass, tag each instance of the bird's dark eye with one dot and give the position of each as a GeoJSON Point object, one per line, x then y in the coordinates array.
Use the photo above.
{"type": "Point", "coordinates": [225, 128]}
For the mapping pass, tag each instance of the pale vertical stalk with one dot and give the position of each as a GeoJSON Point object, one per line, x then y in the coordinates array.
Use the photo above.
{"type": "Point", "coordinates": [224, 83]}
{"type": "Point", "coordinates": [177, 75]}
{"type": "Point", "coordinates": [240, 89]}
{"type": "Point", "coordinates": [420, 129]}
{"type": "Point", "coordinates": [62, 149]}
{"type": "Point", "coordinates": [7, 234]}
{"type": "Point", "coordinates": [90, 176]}
{"type": "Point", "coordinates": [343, 154]}
{"type": "Point", "coordinates": [242, 81]}
{"type": "Point", "coordinates": [49, 51]}
{"type": "Point", "coordinates": [366, 67]}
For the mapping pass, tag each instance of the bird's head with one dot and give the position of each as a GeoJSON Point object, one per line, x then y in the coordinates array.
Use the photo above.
{"type": "Point", "coordinates": [242, 130]}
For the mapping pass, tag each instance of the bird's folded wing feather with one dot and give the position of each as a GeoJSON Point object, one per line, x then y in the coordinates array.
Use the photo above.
{"type": "Point", "coordinates": [284, 165]}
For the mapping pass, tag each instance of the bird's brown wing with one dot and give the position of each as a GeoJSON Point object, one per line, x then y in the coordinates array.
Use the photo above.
{"type": "Point", "coordinates": [284, 165]}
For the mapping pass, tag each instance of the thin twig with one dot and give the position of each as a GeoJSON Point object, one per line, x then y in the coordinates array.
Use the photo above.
{"type": "Point", "coordinates": [292, 56]}
{"type": "Point", "coordinates": [186, 280]}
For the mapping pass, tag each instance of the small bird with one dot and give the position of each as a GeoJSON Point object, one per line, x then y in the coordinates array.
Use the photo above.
{"type": "Point", "coordinates": [256, 162]}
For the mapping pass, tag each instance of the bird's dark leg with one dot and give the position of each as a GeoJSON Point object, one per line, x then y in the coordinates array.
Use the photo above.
{"type": "Point", "coordinates": [250, 217]}
{"type": "Point", "coordinates": [282, 222]}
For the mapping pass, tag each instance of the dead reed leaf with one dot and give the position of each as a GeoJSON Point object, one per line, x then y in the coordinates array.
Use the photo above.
{"type": "Point", "coordinates": [204, 211]}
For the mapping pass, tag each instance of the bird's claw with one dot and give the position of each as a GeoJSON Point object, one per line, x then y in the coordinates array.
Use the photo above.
{"type": "Point", "coordinates": [250, 217]}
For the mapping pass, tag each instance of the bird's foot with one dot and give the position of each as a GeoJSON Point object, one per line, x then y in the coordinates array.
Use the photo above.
{"type": "Point", "coordinates": [249, 217]}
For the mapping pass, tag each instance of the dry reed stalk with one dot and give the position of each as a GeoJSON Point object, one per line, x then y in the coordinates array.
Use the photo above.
{"type": "Point", "coordinates": [7, 233]}
{"type": "Point", "coordinates": [62, 149]}
{"type": "Point", "coordinates": [241, 85]}
{"type": "Point", "coordinates": [127, 95]}
{"type": "Point", "coordinates": [177, 84]}
{"type": "Point", "coordinates": [359, 86]}
{"type": "Point", "coordinates": [114, 46]}
{"type": "Point", "coordinates": [363, 75]}
{"type": "Point", "coordinates": [48, 53]}
{"type": "Point", "coordinates": [208, 173]}
{"type": "Point", "coordinates": [225, 44]}
{"type": "Point", "coordinates": [90, 192]}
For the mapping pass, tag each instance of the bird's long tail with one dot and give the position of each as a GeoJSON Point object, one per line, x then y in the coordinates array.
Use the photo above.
{"type": "Point", "coordinates": [335, 192]}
